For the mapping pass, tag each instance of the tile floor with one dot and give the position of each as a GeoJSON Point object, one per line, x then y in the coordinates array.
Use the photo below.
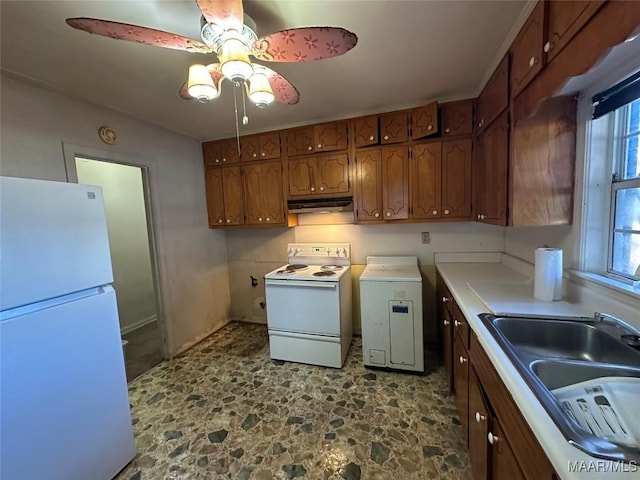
{"type": "Point", "coordinates": [226, 410]}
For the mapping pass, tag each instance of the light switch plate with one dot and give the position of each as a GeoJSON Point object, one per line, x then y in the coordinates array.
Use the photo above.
{"type": "Point", "coordinates": [425, 237]}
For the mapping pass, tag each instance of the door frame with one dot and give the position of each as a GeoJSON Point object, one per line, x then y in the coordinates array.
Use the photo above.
{"type": "Point", "coordinates": [71, 151]}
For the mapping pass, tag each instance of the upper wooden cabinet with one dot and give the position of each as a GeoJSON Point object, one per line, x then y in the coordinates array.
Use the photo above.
{"type": "Point", "coordinates": [426, 174]}
{"type": "Point", "coordinates": [220, 152]}
{"type": "Point", "coordinates": [394, 127]}
{"type": "Point", "coordinates": [368, 183]}
{"type": "Point", "coordinates": [494, 98]}
{"type": "Point", "coordinates": [325, 175]}
{"type": "Point", "coordinates": [424, 121]}
{"type": "Point", "coordinates": [366, 131]}
{"type": "Point", "coordinates": [225, 204]}
{"type": "Point", "coordinates": [265, 146]}
{"type": "Point", "coordinates": [395, 182]}
{"type": "Point", "coordinates": [527, 54]}
{"type": "Point", "coordinates": [263, 193]}
{"type": "Point", "coordinates": [325, 137]}
{"type": "Point", "coordinates": [457, 118]}
{"type": "Point", "coordinates": [456, 179]}
{"type": "Point", "coordinates": [215, 198]}
{"type": "Point", "coordinates": [564, 20]}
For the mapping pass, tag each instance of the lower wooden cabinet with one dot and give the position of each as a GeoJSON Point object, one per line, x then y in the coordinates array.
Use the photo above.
{"type": "Point", "coordinates": [461, 379]}
{"type": "Point", "coordinates": [478, 419]}
{"type": "Point", "coordinates": [264, 193]}
{"type": "Point", "coordinates": [503, 461]}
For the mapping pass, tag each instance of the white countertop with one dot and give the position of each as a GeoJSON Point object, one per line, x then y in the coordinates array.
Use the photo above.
{"type": "Point", "coordinates": [458, 277]}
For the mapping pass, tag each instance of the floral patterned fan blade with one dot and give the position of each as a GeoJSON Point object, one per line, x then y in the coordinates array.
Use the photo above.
{"type": "Point", "coordinates": [136, 33]}
{"type": "Point", "coordinates": [283, 89]}
{"type": "Point", "coordinates": [304, 44]}
{"type": "Point", "coordinates": [227, 14]}
{"type": "Point", "coordinates": [216, 75]}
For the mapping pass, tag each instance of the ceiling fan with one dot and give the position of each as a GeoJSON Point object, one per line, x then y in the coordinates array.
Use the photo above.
{"type": "Point", "coordinates": [230, 34]}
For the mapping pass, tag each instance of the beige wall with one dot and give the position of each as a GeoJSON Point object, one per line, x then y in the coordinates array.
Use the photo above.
{"type": "Point", "coordinates": [258, 251]}
{"type": "Point", "coordinates": [193, 270]}
{"type": "Point", "coordinates": [128, 237]}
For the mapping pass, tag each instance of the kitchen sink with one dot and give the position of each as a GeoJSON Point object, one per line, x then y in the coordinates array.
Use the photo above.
{"type": "Point", "coordinates": [553, 355]}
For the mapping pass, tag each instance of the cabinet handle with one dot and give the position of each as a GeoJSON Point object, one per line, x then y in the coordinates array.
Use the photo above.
{"type": "Point", "coordinates": [228, 221]}
{"type": "Point", "coordinates": [263, 154]}
{"type": "Point", "coordinates": [309, 147]}
{"type": "Point", "coordinates": [435, 212]}
{"type": "Point", "coordinates": [532, 61]}
{"type": "Point", "coordinates": [457, 323]}
{"type": "Point", "coordinates": [322, 189]}
{"type": "Point", "coordinates": [376, 214]}
{"type": "Point", "coordinates": [371, 138]}
{"type": "Point", "coordinates": [483, 216]}
{"type": "Point", "coordinates": [224, 159]}
{"type": "Point", "coordinates": [219, 220]}
{"type": "Point", "coordinates": [478, 216]}
{"type": "Point", "coordinates": [462, 360]}
{"type": "Point", "coordinates": [386, 137]}
{"type": "Point", "coordinates": [429, 127]}
{"type": "Point", "coordinates": [548, 46]}
{"type": "Point", "coordinates": [255, 155]}
{"type": "Point", "coordinates": [446, 322]}
{"type": "Point", "coordinates": [492, 438]}
{"type": "Point", "coordinates": [260, 219]}
{"type": "Point", "coordinates": [445, 299]}
{"type": "Point", "coordinates": [268, 219]}
{"type": "Point", "coordinates": [313, 189]}
{"type": "Point", "coordinates": [319, 146]}
{"type": "Point", "coordinates": [447, 130]}
{"type": "Point", "coordinates": [447, 212]}
{"type": "Point", "coordinates": [388, 214]}
{"type": "Point", "coordinates": [217, 160]}
{"type": "Point", "coordinates": [480, 418]}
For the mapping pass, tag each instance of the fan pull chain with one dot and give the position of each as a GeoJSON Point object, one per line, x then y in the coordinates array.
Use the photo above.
{"type": "Point", "coordinates": [245, 119]}
{"type": "Point", "coordinates": [235, 109]}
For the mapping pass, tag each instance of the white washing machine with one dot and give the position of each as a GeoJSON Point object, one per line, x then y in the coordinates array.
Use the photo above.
{"type": "Point", "coordinates": [391, 313]}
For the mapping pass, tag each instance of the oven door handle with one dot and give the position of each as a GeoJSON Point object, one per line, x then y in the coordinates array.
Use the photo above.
{"type": "Point", "coordinates": [294, 283]}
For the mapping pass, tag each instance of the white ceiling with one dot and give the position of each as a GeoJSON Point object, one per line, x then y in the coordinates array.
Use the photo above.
{"type": "Point", "coordinates": [408, 53]}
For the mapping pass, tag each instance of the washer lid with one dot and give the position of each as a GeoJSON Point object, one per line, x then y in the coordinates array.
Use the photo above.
{"type": "Point", "coordinates": [391, 273]}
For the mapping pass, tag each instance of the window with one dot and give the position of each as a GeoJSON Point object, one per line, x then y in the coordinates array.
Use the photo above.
{"type": "Point", "coordinates": [624, 239]}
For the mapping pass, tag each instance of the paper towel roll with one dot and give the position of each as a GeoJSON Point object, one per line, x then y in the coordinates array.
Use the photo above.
{"type": "Point", "coordinates": [547, 282]}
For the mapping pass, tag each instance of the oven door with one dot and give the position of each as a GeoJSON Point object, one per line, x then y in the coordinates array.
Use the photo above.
{"type": "Point", "coordinates": [303, 306]}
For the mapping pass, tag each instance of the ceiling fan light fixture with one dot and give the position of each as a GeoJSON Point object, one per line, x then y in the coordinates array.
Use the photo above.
{"type": "Point", "coordinates": [200, 84]}
{"type": "Point", "coordinates": [234, 60]}
{"type": "Point", "coordinates": [260, 92]}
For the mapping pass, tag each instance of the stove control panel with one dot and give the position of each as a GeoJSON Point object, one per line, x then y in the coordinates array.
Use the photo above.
{"type": "Point", "coordinates": [322, 250]}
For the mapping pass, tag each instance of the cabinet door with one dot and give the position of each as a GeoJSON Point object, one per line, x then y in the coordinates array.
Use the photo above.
{"type": "Point", "coordinates": [424, 121]}
{"type": "Point", "coordinates": [369, 185]}
{"type": "Point", "coordinates": [456, 178]}
{"type": "Point", "coordinates": [229, 151]}
{"type": "Point", "coordinates": [461, 379]}
{"type": "Point", "coordinates": [301, 181]}
{"type": "Point", "coordinates": [249, 148]}
{"type": "Point", "coordinates": [425, 180]}
{"type": "Point", "coordinates": [447, 347]}
{"type": "Point", "coordinates": [494, 98]}
{"type": "Point", "coordinates": [366, 131]}
{"type": "Point", "coordinates": [395, 182]}
{"type": "Point", "coordinates": [269, 146]}
{"type": "Point", "coordinates": [457, 118]}
{"type": "Point", "coordinates": [503, 461]}
{"type": "Point", "coordinates": [478, 429]}
{"type": "Point", "coordinates": [211, 153]}
{"type": "Point", "coordinates": [232, 192]}
{"type": "Point", "coordinates": [330, 136]}
{"type": "Point", "coordinates": [565, 19]}
{"type": "Point", "coordinates": [527, 50]}
{"type": "Point", "coordinates": [493, 159]}
{"type": "Point", "coordinates": [331, 173]}
{"type": "Point", "coordinates": [263, 193]}
{"type": "Point", "coordinates": [215, 199]}
{"type": "Point", "coordinates": [300, 141]}
{"type": "Point", "coordinates": [394, 127]}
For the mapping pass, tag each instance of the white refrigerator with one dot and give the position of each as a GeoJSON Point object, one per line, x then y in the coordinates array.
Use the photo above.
{"type": "Point", "coordinates": [64, 407]}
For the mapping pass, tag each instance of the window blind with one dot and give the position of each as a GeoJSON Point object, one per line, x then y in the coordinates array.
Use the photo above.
{"type": "Point", "coordinates": [613, 98]}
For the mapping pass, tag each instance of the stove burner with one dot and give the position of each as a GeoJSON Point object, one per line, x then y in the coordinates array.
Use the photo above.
{"type": "Point", "coordinates": [332, 267]}
{"type": "Point", "coordinates": [324, 273]}
{"type": "Point", "coordinates": [296, 266]}
{"type": "Point", "coordinates": [285, 272]}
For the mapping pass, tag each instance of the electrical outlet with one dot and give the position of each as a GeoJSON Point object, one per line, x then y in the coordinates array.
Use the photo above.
{"type": "Point", "coordinates": [425, 237]}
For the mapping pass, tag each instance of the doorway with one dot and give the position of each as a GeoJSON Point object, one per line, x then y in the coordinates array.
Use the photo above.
{"type": "Point", "coordinates": [126, 196]}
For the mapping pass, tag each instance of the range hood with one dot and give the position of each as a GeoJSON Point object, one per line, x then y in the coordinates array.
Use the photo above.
{"type": "Point", "coordinates": [321, 205]}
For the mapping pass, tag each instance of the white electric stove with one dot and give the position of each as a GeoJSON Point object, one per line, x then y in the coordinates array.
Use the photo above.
{"type": "Point", "coordinates": [309, 305]}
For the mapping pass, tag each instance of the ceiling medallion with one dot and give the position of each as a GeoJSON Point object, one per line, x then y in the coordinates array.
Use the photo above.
{"type": "Point", "coordinates": [108, 135]}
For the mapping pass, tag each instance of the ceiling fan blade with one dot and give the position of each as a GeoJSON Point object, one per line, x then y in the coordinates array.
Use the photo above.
{"type": "Point", "coordinates": [228, 14]}
{"type": "Point", "coordinates": [136, 33]}
{"type": "Point", "coordinates": [216, 75]}
{"type": "Point", "coordinates": [304, 44]}
{"type": "Point", "coordinates": [283, 89]}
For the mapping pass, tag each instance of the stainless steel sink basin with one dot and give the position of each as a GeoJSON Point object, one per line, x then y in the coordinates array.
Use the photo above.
{"type": "Point", "coordinates": [552, 353]}
{"type": "Point", "coordinates": [574, 340]}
